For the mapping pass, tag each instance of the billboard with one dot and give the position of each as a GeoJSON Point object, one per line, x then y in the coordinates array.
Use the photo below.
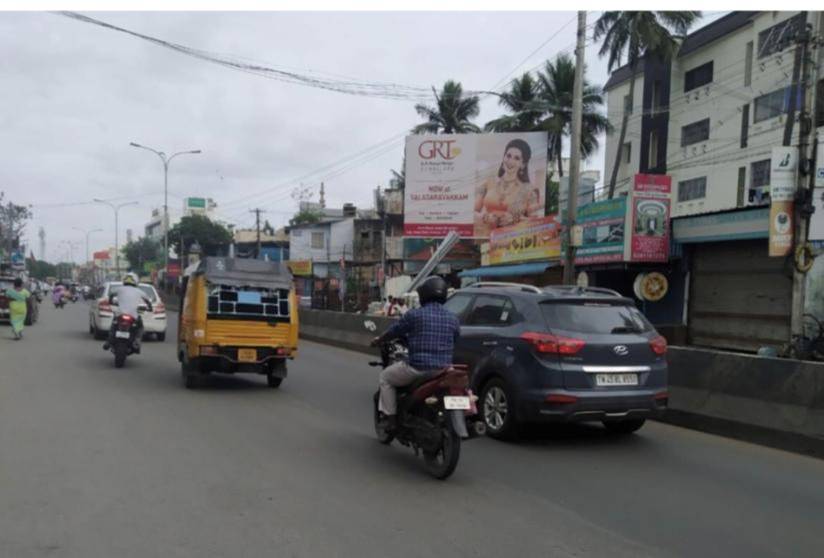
{"type": "Point", "coordinates": [782, 195]}
{"type": "Point", "coordinates": [602, 225]}
{"type": "Point", "coordinates": [538, 238]}
{"type": "Point", "coordinates": [473, 183]}
{"type": "Point", "coordinates": [301, 268]}
{"type": "Point", "coordinates": [650, 205]}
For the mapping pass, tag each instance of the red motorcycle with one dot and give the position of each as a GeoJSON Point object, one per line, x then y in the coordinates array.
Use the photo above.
{"type": "Point", "coordinates": [126, 338]}
{"type": "Point", "coordinates": [434, 414]}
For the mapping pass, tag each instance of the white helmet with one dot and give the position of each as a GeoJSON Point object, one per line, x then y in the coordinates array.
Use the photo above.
{"type": "Point", "coordinates": [130, 279]}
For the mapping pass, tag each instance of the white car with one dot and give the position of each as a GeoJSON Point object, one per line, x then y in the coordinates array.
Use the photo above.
{"type": "Point", "coordinates": [101, 312]}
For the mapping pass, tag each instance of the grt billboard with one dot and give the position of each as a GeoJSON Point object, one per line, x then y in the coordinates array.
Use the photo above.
{"type": "Point", "coordinates": [473, 183]}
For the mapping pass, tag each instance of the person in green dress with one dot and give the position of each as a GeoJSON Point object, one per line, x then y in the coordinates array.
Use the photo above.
{"type": "Point", "coordinates": [18, 297]}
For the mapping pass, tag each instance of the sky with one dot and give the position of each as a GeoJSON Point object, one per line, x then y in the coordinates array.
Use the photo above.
{"type": "Point", "coordinates": [75, 95]}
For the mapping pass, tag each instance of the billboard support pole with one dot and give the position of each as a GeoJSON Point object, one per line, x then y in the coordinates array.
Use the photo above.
{"type": "Point", "coordinates": [575, 148]}
{"type": "Point", "coordinates": [448, 242]}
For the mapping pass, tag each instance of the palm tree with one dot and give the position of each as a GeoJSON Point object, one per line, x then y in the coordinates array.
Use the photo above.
{"type": "Point", "coordinates": [520, 102]}
{"type": "Point", "coordinates": [556, 83]}
{"type": "Point", "coordinates": [635, 35]}
{"type": "Point", "coordinates": [451, 114]}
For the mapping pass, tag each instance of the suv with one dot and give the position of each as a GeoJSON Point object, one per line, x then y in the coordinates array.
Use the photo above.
{"type": "Point", "coordinates": [559, 354]}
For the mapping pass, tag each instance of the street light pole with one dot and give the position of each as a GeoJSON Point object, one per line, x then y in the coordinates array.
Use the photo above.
{"type": "Point", "coordinates": [116, 209]}
{"type": "Point", "coordinates": [166, 160]}
{"type": "Point", "coordinates": [87, 233]}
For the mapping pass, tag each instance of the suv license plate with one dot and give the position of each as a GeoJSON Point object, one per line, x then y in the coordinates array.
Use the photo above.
{"type": "Point", "coordinates": [247, 355]}
{"type": "Point", "coordinates": [616, 379]}
{"type": "Point", "coordinates": [122, 334]}
{"type": "Point", "coordinates": [456, 403]}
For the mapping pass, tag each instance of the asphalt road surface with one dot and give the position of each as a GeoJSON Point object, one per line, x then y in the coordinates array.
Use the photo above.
{"type": "Point", "coordinates": [99, 462]}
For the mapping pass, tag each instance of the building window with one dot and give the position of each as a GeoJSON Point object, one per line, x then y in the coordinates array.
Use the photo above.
{"type": "Point", "coordinates": [748, 65]}
{"type": "Point", "coordinates": [627, 104]}
{"type": "Point", "coordinates": [697, 77]}
{"type": "Point", "coordinates": [779, 36]}
{"type": "Point", "coordinates": [653, 149]}
{"type": "Point", "coordinates": [364, 235]}
{"type": "Point", "coordinates": [318, 241]}
{"type": "Point", "coordinates": [745, 124]}
{"type": "Point", "coordinates": [693, 189]}
{"type": "Point", "coordinates": [695, 132]}
{"type": "Point", "coordinates": [627, 152]}
{"type": "Point", "coordinates": [771, 105]}
{"type": "Point", "coordinates": [657, 95]}
{"type": "Point", "coordinates": [759, 182]}
{"type": "Point", "coordinates": [819, 103]}
{"type": "Point", "coordinates": [742, 184]}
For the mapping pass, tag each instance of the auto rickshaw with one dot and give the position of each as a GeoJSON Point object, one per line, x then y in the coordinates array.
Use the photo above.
{"type": "Point", "coordinates": [236, 315]}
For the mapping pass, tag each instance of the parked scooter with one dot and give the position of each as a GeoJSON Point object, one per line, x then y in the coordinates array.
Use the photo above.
{"type": "Point", "coordinates": [434, 414]}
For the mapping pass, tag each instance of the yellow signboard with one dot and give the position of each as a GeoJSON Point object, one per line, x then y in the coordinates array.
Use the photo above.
{"type": "Point", "coordinates": [532, 239]}
{"type": "Point", "coordinates": [302, 268]}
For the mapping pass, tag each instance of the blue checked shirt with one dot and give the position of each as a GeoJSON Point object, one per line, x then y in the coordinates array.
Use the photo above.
{"type": "Point", "coordinates": [431, 332]}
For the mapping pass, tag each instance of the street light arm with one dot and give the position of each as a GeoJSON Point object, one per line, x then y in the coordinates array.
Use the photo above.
{"type": "Point", "coordinates": [192, 152]}
{"type": "Point", "coordinates": [156, 152]}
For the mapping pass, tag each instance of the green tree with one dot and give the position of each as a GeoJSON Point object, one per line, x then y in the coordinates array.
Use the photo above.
{"type": "Point", "coordinates": [40, 269]}
{"type": "Point", "coordinates": [633, 35]}
{"type": "Point", "coordinates": [141, 251]}
{"type": "Point", "coordinates": [521, 102]}
{"type": "Point", "coordinates": [452, 113]}
{"type": "Point", "coordinates": [13, 220]}
{"type": "Point", "coordinates": [305, 216]}
{"type": "Point", "coordinates": [556, 85]}
{"type": "Point", "coordinates": [212, 237]}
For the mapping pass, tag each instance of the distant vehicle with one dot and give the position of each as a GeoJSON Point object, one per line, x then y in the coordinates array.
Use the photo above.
{"type": "Point", "coordinates": [5, 283]}
{"type": "Point", "coordinates": [101, 312]}
{"type": "Point", "coordinates": [559, 354]}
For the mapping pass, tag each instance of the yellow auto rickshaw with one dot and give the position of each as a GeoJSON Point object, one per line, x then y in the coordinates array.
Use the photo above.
{"type": "Point", "coordinates": [237, 315]}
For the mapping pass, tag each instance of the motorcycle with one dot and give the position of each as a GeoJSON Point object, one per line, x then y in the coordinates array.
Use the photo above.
{"type": "Point", "coordinates": [124, 342]}
{"type": "Point", "coordinates": [434, 414]}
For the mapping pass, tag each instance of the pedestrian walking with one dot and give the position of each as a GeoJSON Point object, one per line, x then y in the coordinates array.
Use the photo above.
{"type": "Point", "coordinates": [18, 298]}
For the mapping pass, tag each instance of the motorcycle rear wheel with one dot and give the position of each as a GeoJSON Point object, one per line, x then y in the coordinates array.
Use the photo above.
{"type": "Point", "coordinates": [384, 437]}
{"type": "Point", "coordinates": [120, 350]}
{"type": "Point", "coordinates": [442, 463]}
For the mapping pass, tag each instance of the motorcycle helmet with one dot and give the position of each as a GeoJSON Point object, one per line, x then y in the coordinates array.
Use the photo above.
{"type": "Point", "coordinates": [130, 279]}
{"type": "Point", "coordinates": [434, 289]}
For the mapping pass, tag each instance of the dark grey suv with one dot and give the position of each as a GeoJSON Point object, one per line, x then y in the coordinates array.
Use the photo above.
{"type": "Point", "coordinates": [559, 354]}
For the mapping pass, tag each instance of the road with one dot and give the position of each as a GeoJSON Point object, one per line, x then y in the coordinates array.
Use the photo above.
{"type": "Point", "coordinates": [99, 462]}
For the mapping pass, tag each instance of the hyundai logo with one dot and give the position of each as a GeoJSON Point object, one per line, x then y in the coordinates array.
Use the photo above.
{"type": "Point", "coordinates": [620, 350]}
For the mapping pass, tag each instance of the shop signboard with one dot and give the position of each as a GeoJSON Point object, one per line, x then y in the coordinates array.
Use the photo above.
{"type": "Point", "coordinates": [302, 268]}
{"type": "Point", "coordinates": [602, 225]}
{"type": "Point", "coordinates": [650, 203]}
{"type": "Point", "coordinates": [473, 183]}
{"type": "Point", "coordinates": [533, 239]}
{"type": "Point", "coordinates": [782, 195]}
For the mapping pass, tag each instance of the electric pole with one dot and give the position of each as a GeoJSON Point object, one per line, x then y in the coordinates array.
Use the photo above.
{"type": "Point", "coordinates": [257, 211]}
{"type": "Point", "coordinates": [575, 148]}
{"type": "Point", "coordinates": [802, 70]}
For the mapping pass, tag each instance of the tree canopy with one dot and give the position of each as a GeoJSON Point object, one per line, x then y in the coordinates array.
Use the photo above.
{"type": "Point", "coordinates": [212, 237]}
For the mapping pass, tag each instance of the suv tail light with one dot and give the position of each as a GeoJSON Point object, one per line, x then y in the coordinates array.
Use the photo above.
{"type": "Point", "coordinates": [658, 345]}
{"type": "Point", "coordinates": [159, 308]}
{"type": "Point", "coordinates": [553, 344]}
{"type": "Point", "coordinates": [103, 305]}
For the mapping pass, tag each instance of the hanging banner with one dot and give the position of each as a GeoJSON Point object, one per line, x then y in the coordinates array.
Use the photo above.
{"type": "Point", "coordinates": [535, 239]}
{"type": "Point", "coordinates": [473, 183]}
{"type": "Point", "coordinates": [783, 185]}
{"type": "Point", "coordinates": [650, 202]}
{"type": "Point", "coordinates": [819, 165]}
{"type": "Point", "coordinates": [301, 268]}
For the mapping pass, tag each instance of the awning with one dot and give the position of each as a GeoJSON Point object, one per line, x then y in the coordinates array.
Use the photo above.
{"type": "Point", "coordinates": [534, 268]}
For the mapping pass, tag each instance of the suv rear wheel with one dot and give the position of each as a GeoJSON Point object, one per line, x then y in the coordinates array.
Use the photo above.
{"type": "Point", "coordinates": [497, 410]}
{"type": "Point", "coordinates": [624, 426]}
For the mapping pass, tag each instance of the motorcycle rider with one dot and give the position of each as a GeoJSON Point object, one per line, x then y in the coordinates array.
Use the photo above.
{"type": "Point", "coordinates": [430, 332]}
{"type": "Point", "coordinates": [129, 299]}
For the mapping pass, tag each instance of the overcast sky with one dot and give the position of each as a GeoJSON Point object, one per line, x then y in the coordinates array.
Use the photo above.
{"type": "Point", "coordinates": [74, 95]}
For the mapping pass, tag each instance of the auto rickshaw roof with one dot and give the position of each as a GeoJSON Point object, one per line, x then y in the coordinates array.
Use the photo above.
{"type": "Point", "coordinates": [242, 272]}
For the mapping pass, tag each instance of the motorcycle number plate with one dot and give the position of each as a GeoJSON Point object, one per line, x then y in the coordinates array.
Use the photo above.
{"type": "Point", "coordinates": [456, 403]}
{"type": "Point", "coordinates": [121, 334]}
{"type": "Point", "coordinates": [247, 355]}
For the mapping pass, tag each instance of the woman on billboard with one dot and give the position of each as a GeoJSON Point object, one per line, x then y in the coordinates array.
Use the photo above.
{"type": "Point", "coordinates": [503, 199]}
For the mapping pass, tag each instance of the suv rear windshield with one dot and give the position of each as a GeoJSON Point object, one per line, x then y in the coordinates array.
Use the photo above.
{"type": "Point", "coordinates": [150, 292]}
{"type": "Point", "coordinates": [594, 317]}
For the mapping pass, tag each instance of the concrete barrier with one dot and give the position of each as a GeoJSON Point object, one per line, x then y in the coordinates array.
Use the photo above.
{"type": "Point", "coordinates": [771, 401]}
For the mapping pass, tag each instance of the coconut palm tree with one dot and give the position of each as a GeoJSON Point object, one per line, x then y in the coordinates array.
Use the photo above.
{"type": "Point", "coordinates": [452, 113]}
{"type": "Point", "coordinates": [556, 83]}
{"type": "Point", "coordinates": [631, 36]}
{"type": "Point", "coordinates": [520, 101]}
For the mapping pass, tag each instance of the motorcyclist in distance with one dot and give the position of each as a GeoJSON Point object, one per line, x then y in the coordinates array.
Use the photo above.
{"type": "Point", "coordinates": [430, 332]}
